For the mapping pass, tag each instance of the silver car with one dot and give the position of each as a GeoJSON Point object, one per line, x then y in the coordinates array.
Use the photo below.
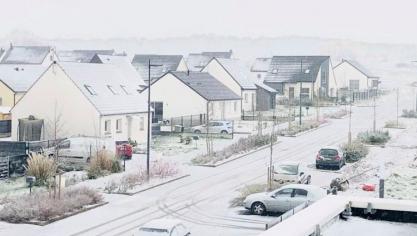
{"type": "Point", "coordinates": [215, 127]}
{"type": "Point", "coordinates": [283, 199]}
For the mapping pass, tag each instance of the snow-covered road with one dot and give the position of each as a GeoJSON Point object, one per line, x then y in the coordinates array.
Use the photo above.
{"type": "Point", "coordinates": [201, 200]}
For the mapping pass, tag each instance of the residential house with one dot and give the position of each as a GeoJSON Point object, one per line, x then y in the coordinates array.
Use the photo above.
{"type": "Point", "coordinates": [29, 55]}
{"type": "Point", "coordinates": [88, 99]}
{"type": "Point", "coordinates": [15, 80]}
{"type": "Point", "coordinates": [179, 94]}
{"type": "Point", "coordinates": [308, 76]}
{"type": "Point", "coordinates": [197, 61]}
{"type": "Point", "coordinates": [82, 56]}
{"type": "Point", "coordinates": [353, 77]}
{"type": "Point", "coordinates": [233, 74]}
{"type": "Point", "coordinates": [260, 68]}
{"type": "Point", "coordinates": [165, 64]}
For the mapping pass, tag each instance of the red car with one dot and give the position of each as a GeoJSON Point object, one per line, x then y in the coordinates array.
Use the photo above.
{"type": "Point", "coordinates": [124, 151]}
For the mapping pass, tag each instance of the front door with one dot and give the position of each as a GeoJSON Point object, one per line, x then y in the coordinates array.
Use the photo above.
{"type": "Point", "coordinates": [281, 202]}
{"type": "Point", "coordinates": [291, 93]}
{"type": "Point", "coordinates": [299, 197]}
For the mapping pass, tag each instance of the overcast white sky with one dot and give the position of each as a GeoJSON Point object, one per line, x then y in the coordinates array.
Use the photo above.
{"type": "Point", "coordinates": [365, 20]}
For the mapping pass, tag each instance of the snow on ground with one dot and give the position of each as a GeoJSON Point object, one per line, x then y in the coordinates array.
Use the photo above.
{"type": "Point", "coordinates": [359, 226]}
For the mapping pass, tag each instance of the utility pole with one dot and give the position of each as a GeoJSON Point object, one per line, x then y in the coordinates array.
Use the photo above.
{"type": "Point", "coordinates": [270, 168]}
{"type": "Point", "coordinates": [350, 123]}
{"type": "Point", "coordinates": [301, 87]}
{"type": "Point", "coordinates": [148, 143]}
{"type": "Point", "coordinates": [374, 123]}
{"type": "Point", "coordinates": [398, 91]}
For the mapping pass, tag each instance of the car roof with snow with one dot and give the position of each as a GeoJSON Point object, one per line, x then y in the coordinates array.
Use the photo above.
{"type": "Point", "coordinates": [162, 224]}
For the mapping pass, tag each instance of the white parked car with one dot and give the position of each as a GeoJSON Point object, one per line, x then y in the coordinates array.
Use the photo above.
{"type": "Point", "coordinates": [215, 127]}
{"type": "Point", "coordinates": [290, 172]}
{"type": "Point", "coordinates": [163, 227]}
{"type": "Point", "coordinates": [283, 199]}
{"type": "Point", "coordinates": [83, 148]}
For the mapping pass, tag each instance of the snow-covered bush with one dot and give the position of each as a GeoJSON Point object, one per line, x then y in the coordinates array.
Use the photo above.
{"type": "Point", "coordinates": [355, 151]}
{"type": "Point", "coordinates": [409, 114]}
{"type": "Point", "coordinates": [338, 114]}
{"type": "Point", "coordinates": [305, 125]}
{"type": "Point", "coordinates": [374, 138]}
{"type": "Point", "coordinates": [242, 145]}
{"type": "Point", "coordinates": [102, 164]}
{"type": "Point", "coordinates": [42, 167]}
{"type": "Point", "coordinates": [41, 207]}
{"type": "Point", "coordinates": [393, 124]}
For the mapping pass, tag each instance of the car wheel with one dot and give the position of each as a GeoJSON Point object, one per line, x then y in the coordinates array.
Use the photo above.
{"type": "Point", "coordinates": [224, 132]}
{"type": "Point", "coordinates": [318, 166]}
{"type": "Point", "coordinates": [258, 208]}
{"type": "Point", "coordinates": [197, 131]}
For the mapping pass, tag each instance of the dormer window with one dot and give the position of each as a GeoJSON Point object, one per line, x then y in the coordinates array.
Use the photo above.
{"type": "Point", "coordinates": [124, 89]}
{"type": "Point", "coordinates": [112, 90]}
{"type": "Point", "coordinates": [90, 89]}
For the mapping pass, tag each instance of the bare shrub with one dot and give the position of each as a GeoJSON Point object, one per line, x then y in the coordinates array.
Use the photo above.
{"type": "Point", "coordinates": [162, 169]}
{"type": "Point", "coordinates": [103, 163]}
{"type": "Point", "coordinates": [41, 207]}
{"type": "Point", "coordinates": [42, 167]}
{"type": "Point", "coordinates": [355, 151]}
{"type": "Point", "coordinates": [371, 137]}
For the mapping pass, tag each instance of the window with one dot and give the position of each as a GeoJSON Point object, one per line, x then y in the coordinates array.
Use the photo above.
{"type": "Point", "coordinates": [300, 192]}
{"type": "Point", "coordinates": [124, 89]}
{"type": "Point", "coordinates": [253, 98]}
{"type": "Point", "coordinates": [90, 89]}
{"type": "Point", "coordinates": [246, 98]}
{"type": "Point", "coordinates": [354, 84]}
{"type": "Point", "coordinates": [107, 126]}
{"type": "Point", "coordinates": [142, 124]}
{"type": "Point", "coordinates": [64, 144]}
{"type": "Point", "coordinates": [119, 125]}
{"type": "Point", "coordinates": [112, 89]}
{"type": "Point", "coordinates": [323, 77]}
{"type": "Point", "coordinates": [235, 106]}
{"type": "Point", "coordinates": [305, 91]}
{"type": "Point", "coordinates": [284, 193]}
{"type": "Point", "coordinates": [375, 83]}
{"type": "Point", "coordinates": [291, 92]}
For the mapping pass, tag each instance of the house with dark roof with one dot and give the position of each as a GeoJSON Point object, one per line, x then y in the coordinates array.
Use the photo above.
{"type": "Point", "coordinates": [197, 61]}
{"type": "Point", "coordinates": [91, 99]}
{"type": "Point", "coordinates": [305, 76]}
{"type": "Point", "coordinates": [179, 94]}
{"type": "Point", "coordinates": [29, 55]}
{"type": "Point", "coordinates": [165, 64]}
{"type": "Point", "coordinates": [83, 56]}
{"type": "Point", "coordinates": [352, 76]}
{"type": "Point", "coordinates": [235, 75]}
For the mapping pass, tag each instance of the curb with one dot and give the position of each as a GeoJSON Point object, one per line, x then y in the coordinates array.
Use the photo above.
{"type": "Point", "coordinates": [237, 157]}
{"type": "Point", "coordinates": [308, 131]}
{"type": "Point", "coordinates": [43, 223]}
{"type": "Point", "coordinates": [154, 186]}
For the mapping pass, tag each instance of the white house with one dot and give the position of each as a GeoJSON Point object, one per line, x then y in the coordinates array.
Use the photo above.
{"type": "Point", "coordinates": [313, 74]}
{"type": "Point", "coordinates": [29, 55]}
{"type": "Point", "coordinates": [352, 76]}
{"type": "Point", "coordinates": [165, 64]}
{"type": "Point", "coordinates": [179, 94]}
{"type": "Point", "coordinates": [233, 74]}
{"type": "Point", "coordinates": [85, 99]}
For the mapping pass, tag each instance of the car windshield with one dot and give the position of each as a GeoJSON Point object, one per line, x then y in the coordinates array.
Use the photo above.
{"type": "Point", "coordinates": [287, 169]}
{"type": "Point", "coordinates": [153, 232]}
{"type": "Point", "coordinates": [328, 152]}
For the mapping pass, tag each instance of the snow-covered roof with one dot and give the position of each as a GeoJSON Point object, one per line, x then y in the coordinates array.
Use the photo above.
{"type": "Point", "coordinates": [265, 87]}
{"type": "Point", "coordinates": [19, 78]}
{"type": "Point", "coordinates": [238, 71]}
{"type": "Point", "coordinates": [84, 56]}
{"type": "Point", "coordinates": [123, 62]}
{"type": "Point", "coordinates": [294, 68]}
{"type": "Point", "coordinates": [166, 62]}
{"type": "Point", "coordinates": [206, 86]}
{"type": "Point", "coordinates": [359, 67]}
{"type": "Point", "coordinates": [107, 87]}
{"type": "Point", "coordinates": [226, 54]}
{"type": "Point", "coordinates": [25, 55]}
{"type": "Point", "coordinates": [261, 64]}
{"type": "Point", "coordinates": [197, 61]}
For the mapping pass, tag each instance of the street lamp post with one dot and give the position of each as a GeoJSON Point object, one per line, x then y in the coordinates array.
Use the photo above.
{"type": "Point", "coordinates": [350, 122]}
{"type": "Point", "coordinates": [148, 143]}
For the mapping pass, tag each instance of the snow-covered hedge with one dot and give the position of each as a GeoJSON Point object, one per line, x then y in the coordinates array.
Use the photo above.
{"type": "Point", "coordinates": [374, 138]}
{"type": "Point", "coordinates": [42, 207]}
{"type": "Point", "coordinates": [355, 151]}
{"type": "Point", "coordinates": [305, 125]}
{"type": "Point", "coordinates": [393, 124]}
{"type": "Point", "coordinates": [250, 189]}
{"type": "Point", "coordinates": [409, 114]}
{"type": "Point", "coordinates": [241, 146]}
